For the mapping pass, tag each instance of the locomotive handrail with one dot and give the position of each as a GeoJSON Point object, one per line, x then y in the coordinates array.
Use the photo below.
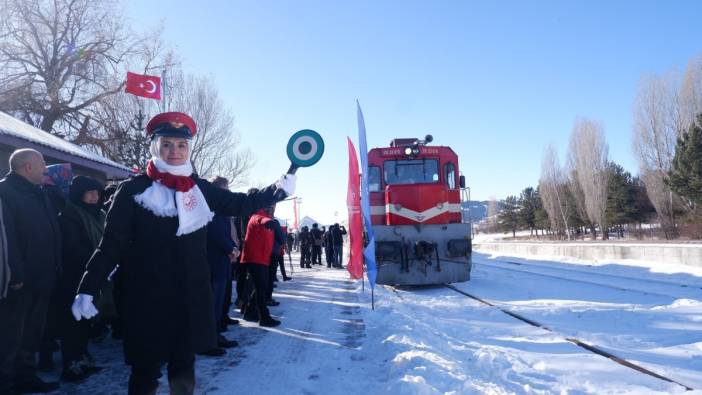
{"type": "Point", "coordinates": [466, 191]}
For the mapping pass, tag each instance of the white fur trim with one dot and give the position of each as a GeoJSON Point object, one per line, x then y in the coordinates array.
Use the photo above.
{"type": "Point", "coordinates": [159, 199]}
{"type": "Point", "coordinates": [190, 207]}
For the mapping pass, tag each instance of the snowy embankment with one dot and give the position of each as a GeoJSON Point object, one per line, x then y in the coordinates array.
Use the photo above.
{"type": "Point", "coordinates": [439, 341]}
{"type": "Point", "coordinates": [630, 252]}
{"type": "Point", "coordinates": [432, 340]}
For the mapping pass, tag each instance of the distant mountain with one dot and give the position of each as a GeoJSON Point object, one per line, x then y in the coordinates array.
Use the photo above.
{"type": "Point", "coordinates": [478, 209]}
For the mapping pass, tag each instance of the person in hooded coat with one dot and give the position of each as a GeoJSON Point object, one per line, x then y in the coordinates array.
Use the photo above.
{"type": "Point", "coordinates": [82, 221]}
{"type": "Point", "coordinates": [305, 247]}
{"type": "Point", "coordinates": [156, 230]}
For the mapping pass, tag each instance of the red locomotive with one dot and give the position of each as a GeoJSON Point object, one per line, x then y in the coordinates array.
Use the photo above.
{"type": "Point", "coordinates": [422, 233]}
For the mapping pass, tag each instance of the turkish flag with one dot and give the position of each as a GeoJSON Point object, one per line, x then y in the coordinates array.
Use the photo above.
{"type": "Point", "coordinates": [353, 202]}
{"type": "Point", "coordinates": [148, 86]}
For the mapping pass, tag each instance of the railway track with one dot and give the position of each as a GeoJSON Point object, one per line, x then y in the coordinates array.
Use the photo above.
{"type": "Point", "coordinates": [674, 290]}
{"type": "Point", "coordinates": [580, 343]}
{"type": "Point", "coordinates": [589, 347]}
{"type": "Point", "coordinates": [587, 272]}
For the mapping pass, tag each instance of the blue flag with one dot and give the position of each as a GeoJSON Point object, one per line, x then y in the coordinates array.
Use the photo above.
{"type": "Point", "coordinates": [369, 251]}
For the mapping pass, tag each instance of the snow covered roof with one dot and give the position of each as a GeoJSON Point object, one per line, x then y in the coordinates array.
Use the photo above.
{"type": "Point", "coordinates": [308, 221]}
{"type": "Point", "coordinates": [14, 132]}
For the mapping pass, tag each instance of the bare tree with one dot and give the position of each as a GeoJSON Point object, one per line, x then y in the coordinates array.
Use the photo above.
{"type": "Point", "coordinates": [589, 155]}
{"type": "Point", "coordinates": [60, 58]}
{"type": "Point", "coordinates": [552, 189]}
{"type": "Point", "coordinates": [493, 209]}
{"type": "Point", "coordinates": [691, 93]}
{"type": "Point", "coordinates": [656, 122]}
{"type": "Point", "coordinates": [576, 192]}
{"type": "Point", "coordinates": [216, 147]}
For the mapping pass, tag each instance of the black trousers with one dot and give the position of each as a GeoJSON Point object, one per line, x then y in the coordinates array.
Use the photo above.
{"type": "Point", "coordinates": [281, 265]}
{"type": "Point", "coordinates": [181, 378]}
{"type": "Point", "coordinates": [328, 254]}
{"type": "Point", "coordinates": [317, 254]}
{"type": "Point", "coordinates": [241, 283]}
{"type": "Point", "coordinates": [22, 320]}
{"type": "Point", "coordinates": [277, 261]}
{"type": "Point", "coordinates": [228, 292]}
{"type": "Point", "coordinates": [338, 255]}
{"type": "Point", "coordinates": [260, 274]}
{"type": "Point", "coordinates": [74, 334]}
{"type": "Point", "coordinates": [305, 258]}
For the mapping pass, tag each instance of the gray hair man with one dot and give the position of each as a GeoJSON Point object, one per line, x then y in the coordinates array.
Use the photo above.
{"type": "Point", "coordinates": [34, 258]}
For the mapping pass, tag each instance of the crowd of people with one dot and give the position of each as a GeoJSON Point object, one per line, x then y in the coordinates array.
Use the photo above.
{"type": "Point", "coordinates": [311, 243]}
{"type": "Point", "coordinates": [154, 259]}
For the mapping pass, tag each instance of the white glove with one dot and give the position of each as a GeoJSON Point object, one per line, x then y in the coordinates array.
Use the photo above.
{"type": "Point", "coordinates": [287, 183]}
{"type": "Point", "coordinates": [83, 307]}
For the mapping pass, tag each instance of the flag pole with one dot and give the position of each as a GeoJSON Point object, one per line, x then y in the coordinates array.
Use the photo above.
{"type": "Point", "coordinates": [166, 106]}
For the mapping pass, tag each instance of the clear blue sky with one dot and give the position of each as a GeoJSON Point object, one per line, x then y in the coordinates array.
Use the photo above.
{"type": "Point", "coordinates": [496, 80]}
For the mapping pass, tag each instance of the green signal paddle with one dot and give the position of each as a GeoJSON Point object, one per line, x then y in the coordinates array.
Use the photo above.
{"type": "Point", "coordinates": [305, 148]}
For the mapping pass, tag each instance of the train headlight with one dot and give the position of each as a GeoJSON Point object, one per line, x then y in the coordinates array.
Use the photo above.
{"type": "Point", "coordinates": [415, 151]}
{"type": "Point", "coordinates": [408, 151]}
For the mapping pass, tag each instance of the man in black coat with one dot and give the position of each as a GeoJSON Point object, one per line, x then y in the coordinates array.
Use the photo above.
{"type": "Point", "coordinates": [316, 244]}
{"type": "Point", "coordinates": [156, 230]}
{"type": "Point", "coordinates": [328, 247]}
{"type": "Point", "coordinates": [337, 236]}
{"type": "Point", "coordinates": [305, 247]}
{"type": "Point", "coordinates": [34, 256]}
{"type": "Point", "coordinates": [221, 248]}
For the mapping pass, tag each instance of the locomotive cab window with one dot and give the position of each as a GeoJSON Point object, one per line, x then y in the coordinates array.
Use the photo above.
{"type": "Point", "coordinates": [374, 179]}
{"type": "Point", "coordinates": [450, 174]}
{"type": "Point", "coordinates": [413, 171]}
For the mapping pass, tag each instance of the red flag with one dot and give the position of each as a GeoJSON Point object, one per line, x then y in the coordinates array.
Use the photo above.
{"type": "Point", "coordinates": [148, 86]}
{"type": "Point", "coordinates": [353, 202]}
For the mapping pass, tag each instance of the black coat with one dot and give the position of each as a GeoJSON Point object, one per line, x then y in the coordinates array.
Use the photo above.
{"type": "Point", "coordinates": [337, 234]}
{"type": "Point", "coordinates": [33, 234]}
{"type": "Point", "coordinates": [165, 278]}
{"type": "Point", "coordinates": [219, 246]}
{"type": "Point", "coordinates": [77, 249]}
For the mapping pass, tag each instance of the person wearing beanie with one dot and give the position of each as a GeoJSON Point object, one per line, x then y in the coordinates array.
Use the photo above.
{"type": "Point", "coordinates": [82, 222]}
{"type": "Point", "coordinates": [156, 229]}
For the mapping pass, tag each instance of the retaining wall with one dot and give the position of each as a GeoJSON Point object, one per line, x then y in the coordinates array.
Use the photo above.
{"type": "Point", "coordinates": [685, 254]}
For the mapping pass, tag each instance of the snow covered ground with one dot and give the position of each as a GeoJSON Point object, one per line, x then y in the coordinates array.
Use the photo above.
{"type": "Point", "coordinates": [432, 340]}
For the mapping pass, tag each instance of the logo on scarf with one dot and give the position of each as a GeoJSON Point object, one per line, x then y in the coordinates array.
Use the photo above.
{"type": "Point", "coordinates": [189, 201]}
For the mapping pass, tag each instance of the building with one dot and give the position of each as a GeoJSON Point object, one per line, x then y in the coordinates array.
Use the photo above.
{"type": "Point", "coordinates": [16, 134]}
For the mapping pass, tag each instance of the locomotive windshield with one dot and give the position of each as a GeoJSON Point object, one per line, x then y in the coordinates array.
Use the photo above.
{"type": "Point", "coordinates": [411, 171]}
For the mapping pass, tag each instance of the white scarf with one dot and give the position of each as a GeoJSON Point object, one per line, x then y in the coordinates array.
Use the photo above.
{"type": "Point", "coordinates": [190, 207]}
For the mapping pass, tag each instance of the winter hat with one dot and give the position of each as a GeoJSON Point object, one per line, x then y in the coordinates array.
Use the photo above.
{"type": "Point", "coordinates": [80, 185]}
{"type": "Point", "coordinates": [171, 124]}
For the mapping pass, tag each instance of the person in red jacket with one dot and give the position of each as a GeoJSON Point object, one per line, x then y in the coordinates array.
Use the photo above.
{"type": "Point", "coordinates": [258, 247]}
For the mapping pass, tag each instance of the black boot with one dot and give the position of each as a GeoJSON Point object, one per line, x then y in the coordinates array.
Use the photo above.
{"type": "Point", "coordinates": [223, 342]}
{"type": "Point", "coordinates": [74, 372]}
{"type": "Point", "coordinates": [272, 302]}
{"type": "Point", "coordinates": [251, 315]}
{"type": "Point", "coordinates": [35, 384]}
{"type": "Point", "coordinates": [88, 364]}
{"type": "Point", "coordinates": [215, 352]}
{"type": "Point", "coordinates": [269, 322]}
